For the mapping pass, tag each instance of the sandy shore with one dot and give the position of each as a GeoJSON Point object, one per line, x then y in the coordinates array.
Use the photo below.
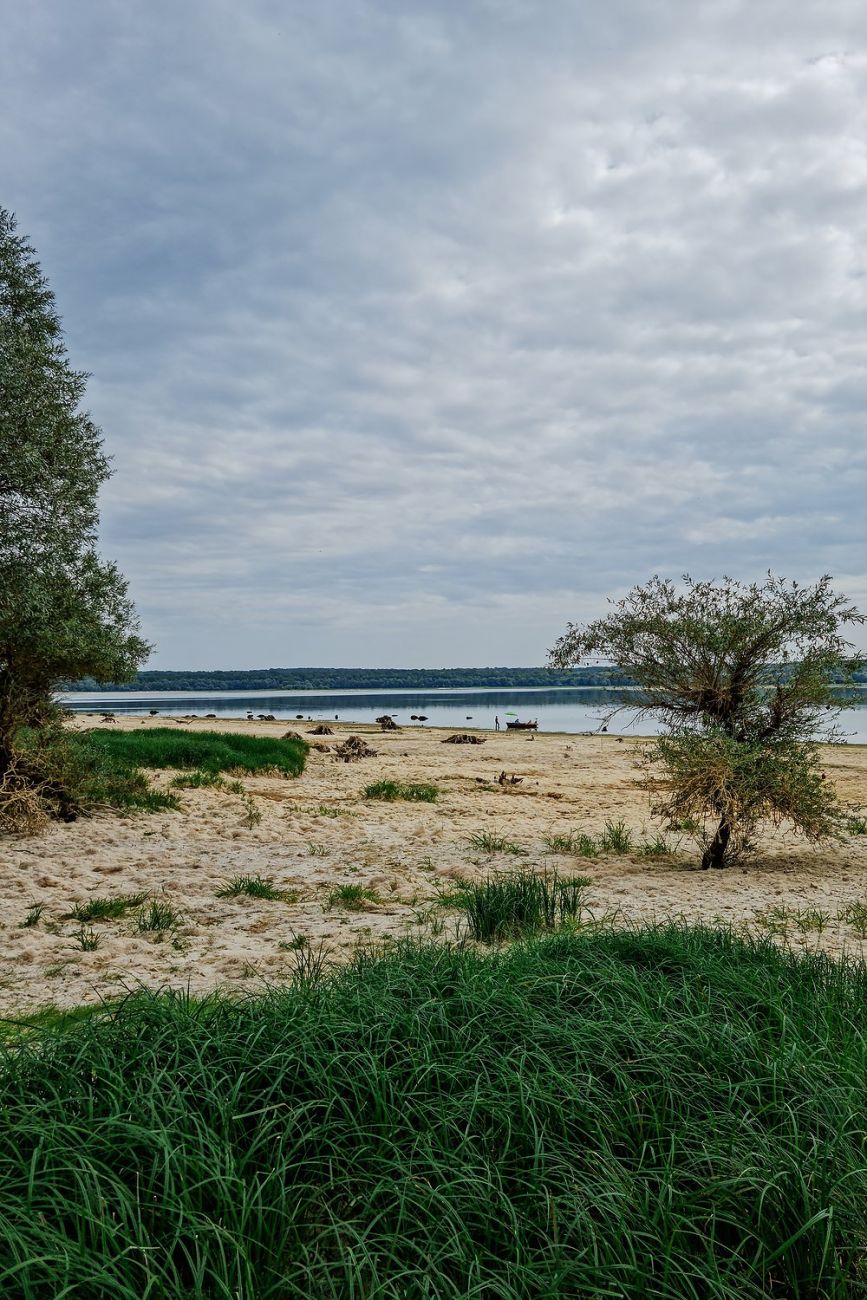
{"type": "Point", "coordinates": [318, 832]}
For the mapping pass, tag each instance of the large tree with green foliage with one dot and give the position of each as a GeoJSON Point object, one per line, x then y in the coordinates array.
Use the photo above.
{"type": "Point", "coordinates": [64, 612]}
{"type": "Point", "coordinates": [745, 679]}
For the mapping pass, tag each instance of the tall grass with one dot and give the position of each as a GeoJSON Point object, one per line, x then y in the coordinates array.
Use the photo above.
{"type": "Point", "coordinates": [518, 905]}
{"type": "Point", "coordinates": [204, 751]}
{"type": "Point", "coordinates": [671, 1114]}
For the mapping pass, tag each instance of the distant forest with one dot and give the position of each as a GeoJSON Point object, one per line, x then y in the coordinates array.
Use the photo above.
{"type": "Point", "coordinates": [363, 679]}
{"type": "Point", "coordinates": [358, 679]}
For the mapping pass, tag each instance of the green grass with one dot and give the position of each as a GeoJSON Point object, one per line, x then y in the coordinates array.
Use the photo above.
{"type": "Point", "coordinates": [86, 940]}
{"type": "Point", "coordinates": [664, 1113]}
{"type": "Point", "coordinates": [519, 904]}
{"type": "Point", "coordinates": [489, 842]}
{"type": "Point", "coordinates": [33, 916]}
{"type": "Point", "coordinates": [575, 843]}
{"type": "Point", "coordinates": [392, 790]}
{"type": "Point", "coordinates": [353, 897]}
{"type": "Point", "coordinates": [255, 887]}
{"type": "Point", "coordinates": [105, 909]}
{"type": "Point", "coordinates": [856, 825]}
{"type": "Point", "coordinates": [615, 838]}
{"type": "Point", "coordinates": [204, 751]}
{"type": "Point", "coordinates": [157, 918]}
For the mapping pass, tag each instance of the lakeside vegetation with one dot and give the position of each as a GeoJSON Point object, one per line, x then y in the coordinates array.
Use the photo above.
{"type": "Point", "coordinates": [667, 1112]}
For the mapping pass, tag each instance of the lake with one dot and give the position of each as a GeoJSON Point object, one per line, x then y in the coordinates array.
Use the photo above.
{"type": "Point", "coordinates": [572, 709]}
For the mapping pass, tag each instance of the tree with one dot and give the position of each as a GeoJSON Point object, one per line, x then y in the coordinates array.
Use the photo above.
{"type": "Point", "coordinates": [64, 612]}
{"type": "Point", "coordinates": [743, 679]}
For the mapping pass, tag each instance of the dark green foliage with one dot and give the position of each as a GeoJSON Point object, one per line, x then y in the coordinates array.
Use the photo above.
{"type": "Point", "coordinates": [205, 751]}
{"type": "Point", "coordinates": [744, 677]}
{"type": "Point", "coordinates": [63, 611]}
{"type": "Point", "coordinates": [392, 790]}
{"type": "Point", "coordinates": [357, 679]}
{"type": "Point", "coordinates": [519, 905]}
{"type": "Point", "coordinates": [856, 824]}
{"type": "Point", "coordinates": [577, 843]}
{"type": "Point", "coordinates": [670, 1114]}
{"type": "Point", "coordinates": [255, 887]}
{"type": "Point", "coordinates": [615, 838]}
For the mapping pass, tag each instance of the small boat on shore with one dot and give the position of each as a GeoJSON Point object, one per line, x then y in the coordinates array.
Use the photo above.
{"type": "Point", "coordinates": [523, 726]}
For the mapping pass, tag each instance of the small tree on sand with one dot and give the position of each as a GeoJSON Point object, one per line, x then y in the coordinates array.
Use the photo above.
{"type": "Point", "coordinates": [742, 678]}
{"type": "Point", "coordinates": [64, 613]}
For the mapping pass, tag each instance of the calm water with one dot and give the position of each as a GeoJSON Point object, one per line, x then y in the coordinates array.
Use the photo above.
{"type": "Point", "coordinates": [569, 708]}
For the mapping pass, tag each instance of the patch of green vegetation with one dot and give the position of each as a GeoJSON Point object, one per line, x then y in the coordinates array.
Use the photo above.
{"type": "Point", "coordinates": [658, 847]}
{"type": "Point", "coordinates": [255, 887]}
{"type": "Point", "coordinates": [856, 824]}
{"type": "Point", "coordinates": [576, 843]}
{"type": "Point", "coordinates": [855, 914]}
{"type": "Point", "coordinates": [393, 790]}
{"type": "Point", "coordinates": [33, 917]}
{"type": "Point", "coordinates": [353, 897]}
{"type": "Point", "coordinates": [105, 909]}
{"type": "Point", "coordinates": [203, 751]}
{"type": "Point", "coordinates": [615, 838]}
{"type": "Point", "coordinates": [488, 842]}
{"type": "Point", "coordinates": [294, 944]}
{"type": "Point", "coordinates": [668, 1112]}
{"type": "Point", "coordinates": [519, 904]}
{"type": "Point", "coordinates": [157, 918]}
{"type": "Point", "coordinates": [86, 940]}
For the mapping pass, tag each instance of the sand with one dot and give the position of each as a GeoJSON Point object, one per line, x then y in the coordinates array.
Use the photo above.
{"type": "Point", "coordinates": [318, 832]}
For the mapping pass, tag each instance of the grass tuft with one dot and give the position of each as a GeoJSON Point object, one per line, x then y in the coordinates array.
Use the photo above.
{"type": "Point", "coordinates": [353, 897]}
{"type": "Point", "coordinates": [393, 790]}
{"type": "Point", "coordinates": [488, 842]}
{"type": "Point", "coordinates": [33, 917]}
{"type": "Point", "coordinates": [105, 909]}
{"type": "Point", "coordinates": [519, 905]}
{"type": "Point", "coordinates": [157, 918]}
{"type": "Point", "coordinates": [255, 887]}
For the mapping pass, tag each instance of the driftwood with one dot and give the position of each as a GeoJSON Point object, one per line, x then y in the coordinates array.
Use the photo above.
{"type": "Point", "coordinates": [352, 749]}
{"type": "Point", "coordinates": [320, 746]}
{"type": "Point", "coordinates": [505, 779]}
{"type": "Point", "coordinates": [388, 723]}
{"type": "Point", "coordinates": [293, 735]}
{"type": "Point", "coordinates": [462, 738]}
{"type": "Point", "coordinates": [321, 730]}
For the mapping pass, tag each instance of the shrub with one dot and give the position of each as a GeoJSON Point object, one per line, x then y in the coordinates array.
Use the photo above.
{"type": "Point", "coordinates": [488, 842]}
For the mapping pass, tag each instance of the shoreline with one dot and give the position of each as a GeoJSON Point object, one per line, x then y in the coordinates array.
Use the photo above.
{"type": "Point", "coordinates": [318, 832]}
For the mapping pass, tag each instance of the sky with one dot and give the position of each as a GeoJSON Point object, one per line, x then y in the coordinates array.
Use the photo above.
{"type": "Point", "coordinates": [417, 330]}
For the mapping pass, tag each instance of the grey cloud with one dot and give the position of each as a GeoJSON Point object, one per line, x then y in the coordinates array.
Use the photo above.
{"type": "Point", "coordinates": [417, 330]}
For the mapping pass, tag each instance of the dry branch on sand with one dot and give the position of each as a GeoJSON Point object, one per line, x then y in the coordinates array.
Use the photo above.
{"type": "Point", "coordinates": [321, 730]}
{"type": "Point", "coordinates": [387, 722]}
{"type": "Point", "coordinates": [463, 738]}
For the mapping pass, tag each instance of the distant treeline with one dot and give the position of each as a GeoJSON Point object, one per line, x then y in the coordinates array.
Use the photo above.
{"type": "Point", "coordinates": [358, 679]}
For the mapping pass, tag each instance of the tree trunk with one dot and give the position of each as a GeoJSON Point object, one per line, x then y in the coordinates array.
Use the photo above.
{"type": "Point", "coordinates": [714, 855]}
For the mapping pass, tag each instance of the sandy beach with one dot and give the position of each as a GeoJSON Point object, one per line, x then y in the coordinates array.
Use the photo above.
{"type": "Point", "coordinates": [319, 832]}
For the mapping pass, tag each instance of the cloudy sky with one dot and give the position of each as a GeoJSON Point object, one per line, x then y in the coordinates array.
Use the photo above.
{"type": "Point", "coordinates": [417, 329]}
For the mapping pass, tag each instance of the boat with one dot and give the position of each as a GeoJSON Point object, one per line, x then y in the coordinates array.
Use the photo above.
{"type": "Point", "coordinates": [523, 726]}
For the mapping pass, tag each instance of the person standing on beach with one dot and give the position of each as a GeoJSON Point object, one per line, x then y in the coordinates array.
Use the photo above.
{"type": "Point", "coordinates": [496, 723]}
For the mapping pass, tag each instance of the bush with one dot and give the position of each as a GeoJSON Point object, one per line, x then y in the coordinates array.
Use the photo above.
{"type": "Point", "coordinates": [668, 1113]}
